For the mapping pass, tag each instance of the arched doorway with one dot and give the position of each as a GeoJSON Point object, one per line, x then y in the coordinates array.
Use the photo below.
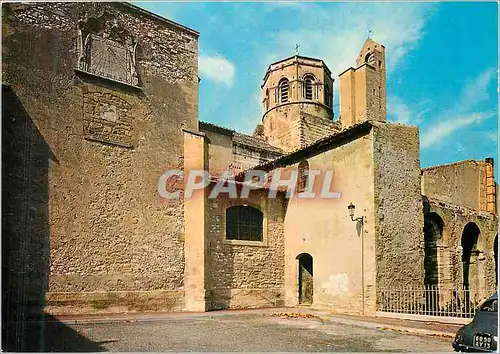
{"type": "Point", "coordinates": [305, 278]}
{"type": "Point", "coordinates": [433, 230]}
{"type": "Point", "coordinates": [470, 236]}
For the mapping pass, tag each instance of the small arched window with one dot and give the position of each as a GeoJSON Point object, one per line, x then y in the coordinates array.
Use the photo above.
{"type": "Point", "coordinates": [302, 176]}
{"type": "Point", "coordinates": [283, 90]}
{"type": "Point", "coordinates": [266, 100]}
{"type": "Point", "coordinates": [308, 87]}
{"type": "Point", "coordinates": [370, 59]}
{"type": "Point", "coordinates": [244, 223]}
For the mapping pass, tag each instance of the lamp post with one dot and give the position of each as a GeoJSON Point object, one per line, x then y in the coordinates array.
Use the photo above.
{"type": "Point", "coordinates": [351, 208]}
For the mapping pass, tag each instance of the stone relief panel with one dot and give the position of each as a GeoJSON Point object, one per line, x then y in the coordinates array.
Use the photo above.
{"type": "Point", "coordinates": [107, 118]}
{"type": "Point", "coordinates": [108, 50]}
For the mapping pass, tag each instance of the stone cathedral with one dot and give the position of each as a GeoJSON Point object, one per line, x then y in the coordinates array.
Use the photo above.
{"type": "Point", "coordinates": [100, 99]}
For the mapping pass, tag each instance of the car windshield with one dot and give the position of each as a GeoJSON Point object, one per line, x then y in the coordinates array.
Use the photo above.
{"type": "Point", "coordinates": [490, 306]}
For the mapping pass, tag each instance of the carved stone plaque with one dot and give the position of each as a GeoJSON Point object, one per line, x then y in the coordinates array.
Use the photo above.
{"type": "Point", "coordinates": [107, 50]}
{"type": "Point", "coordinates": [107, 118]}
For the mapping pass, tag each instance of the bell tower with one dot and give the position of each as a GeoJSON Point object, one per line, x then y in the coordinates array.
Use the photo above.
{"type": "Point", "coordinates": [363, 90]}
{"type": "Point", "coordinates": [297, 99]}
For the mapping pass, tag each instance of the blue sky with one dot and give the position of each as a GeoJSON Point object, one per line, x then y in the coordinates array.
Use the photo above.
{"type": "Point", "coordinates": [442, 61]}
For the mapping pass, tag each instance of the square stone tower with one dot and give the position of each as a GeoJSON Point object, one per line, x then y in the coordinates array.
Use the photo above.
{"type": "Point", "coordinates": [363, 90]}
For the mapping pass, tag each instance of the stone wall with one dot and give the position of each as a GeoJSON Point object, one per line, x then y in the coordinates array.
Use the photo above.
{"type": "Point", "coordinates": [314, 128]}
{"type": "Point", "coordinates": [114, 242]}
{"type": "Point", "coordinates": [246, 274]}
{"type": "Point", "coordinates": [282, 126]}
{"type": "Point", "coordinates": [230, 150]}
{"type": "Point", "coordinates": [220, 150]}
{"type": "Point", "coordinates": [342, 250]}
{"type": "Point", "coordinates": [446, 182]}
{"type": "Point", "coordinates": [399, 216]}
{"type": "Point", "coordinates": [450, 269]}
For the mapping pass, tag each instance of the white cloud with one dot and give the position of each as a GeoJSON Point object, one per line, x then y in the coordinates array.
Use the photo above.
{"type": "Point", "coordinates": [463, 112]}
{"type": "Point", "coordinates": [476, 91]}
{"type": "Point", "coordinates": [492, 136]}
{"type": "Point", "coordinates": [217, 68]}
{"type": "Point", "coordinates": [443, 129]}
{"type": "Point", "coordinates": [337, 36]}
{"type": "Point", "coordinates": [398, 110]}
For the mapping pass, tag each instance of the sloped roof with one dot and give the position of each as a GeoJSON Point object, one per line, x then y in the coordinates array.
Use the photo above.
{"type": "Point", "coordinates": [320, 145]}
{"type": "Point", "coordinates": [255, 142]}
{"type": "Point", "coordinates": [240, 138]}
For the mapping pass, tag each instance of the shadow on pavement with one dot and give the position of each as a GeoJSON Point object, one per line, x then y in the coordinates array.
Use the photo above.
{"type": "Point", "coordinates": [50, 335]}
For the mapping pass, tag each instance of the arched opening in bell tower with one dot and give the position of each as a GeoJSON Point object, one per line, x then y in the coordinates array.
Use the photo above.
{"type": "Point", "coordinates": [283, 90]}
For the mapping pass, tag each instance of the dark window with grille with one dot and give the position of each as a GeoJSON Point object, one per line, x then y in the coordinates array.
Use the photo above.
{"type": "Point", "coordinates": [243, 223]}
{"type": "Point", "coordinates": [308, 88]}
{"type": "Point", "coordinates": [302, 176]}
{"type": "Point", "coordinates": [283, 86]}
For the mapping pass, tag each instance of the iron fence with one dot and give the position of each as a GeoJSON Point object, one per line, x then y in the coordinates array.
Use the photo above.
{"type": "Point", "coordinates": [431, 300]}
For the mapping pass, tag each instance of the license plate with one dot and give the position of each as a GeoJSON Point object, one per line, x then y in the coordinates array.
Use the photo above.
{"type": "Point", "coordinates": [483, 341]}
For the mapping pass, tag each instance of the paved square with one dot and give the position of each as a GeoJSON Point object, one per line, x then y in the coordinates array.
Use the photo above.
{"type": "Point", "coordinates": [249, 333]}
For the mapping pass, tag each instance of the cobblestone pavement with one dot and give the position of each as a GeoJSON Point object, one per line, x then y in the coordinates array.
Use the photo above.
{"type": "Point", "coordinates": [251, 333]}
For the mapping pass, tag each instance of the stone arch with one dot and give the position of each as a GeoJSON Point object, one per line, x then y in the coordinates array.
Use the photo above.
{"type": "Point", "coordinates": [306, 284]}
{"type": "Point", "coordinates": [308, 91]}
{"type": "Point", "coordinates": [284, 90]}
{"type": "Point", "coordinates": [433, 232]}
{"type": "Point", "coordinates": [370, 58]}
{"type": "Point", "coordinates": [470, 236]}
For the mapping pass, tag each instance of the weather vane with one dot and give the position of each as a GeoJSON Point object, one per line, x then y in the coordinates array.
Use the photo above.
{"type": "Point", "coordinates": [297, 49]}
{"type": "Point", "coordinates": [369, 34]}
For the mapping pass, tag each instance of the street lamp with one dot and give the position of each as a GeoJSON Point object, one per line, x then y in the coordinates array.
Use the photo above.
{"type": "Point", "coordinates": [351, 207]}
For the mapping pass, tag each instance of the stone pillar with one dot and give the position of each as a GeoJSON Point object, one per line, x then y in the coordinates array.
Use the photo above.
{"type": "Point", "coordinates": [347, 98]}
{"type": "Point", "coordinates": [490, 186]}
{"type": "Point", "coordinates": [194, 225]}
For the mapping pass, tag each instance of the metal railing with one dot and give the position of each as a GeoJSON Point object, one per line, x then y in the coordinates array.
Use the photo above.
{"type": "Point", "coordinates": [431, 300]}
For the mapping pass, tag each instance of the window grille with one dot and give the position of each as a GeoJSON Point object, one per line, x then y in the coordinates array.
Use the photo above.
{"type": "Point", "coordinates": [244, 223]}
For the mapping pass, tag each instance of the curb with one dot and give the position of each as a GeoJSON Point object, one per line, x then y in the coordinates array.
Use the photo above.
{"type": "Point", "coordinates": [409, 330]}
{"type": "Point", "coordinates": [208, 315]}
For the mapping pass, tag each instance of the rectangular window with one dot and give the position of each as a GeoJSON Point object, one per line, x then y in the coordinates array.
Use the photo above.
{"type": "Point", "coordinates": [244, 223]}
